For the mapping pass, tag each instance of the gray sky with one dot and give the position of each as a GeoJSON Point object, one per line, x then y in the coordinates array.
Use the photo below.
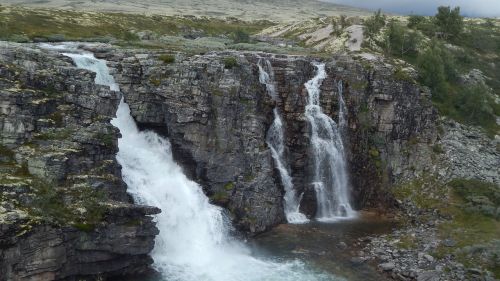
{"type": "Point", "coordinates": [482, 8]}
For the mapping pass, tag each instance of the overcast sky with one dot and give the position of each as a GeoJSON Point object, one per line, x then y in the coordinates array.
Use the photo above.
{"type": "Point", "coordinates": [482, 8]}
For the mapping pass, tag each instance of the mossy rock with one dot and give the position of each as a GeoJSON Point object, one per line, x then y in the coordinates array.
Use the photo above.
{"type": "Point", "coordinates": [167, 58]}
{"type": "Point", "coordinates": [230, 62]}
{"type": "Point", "coordinates": [229, 186]}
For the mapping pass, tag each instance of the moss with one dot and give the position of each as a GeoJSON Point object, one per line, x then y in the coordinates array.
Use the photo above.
{"type": "Point", "coordinates": [402, 75]}
{"type": "Point", "coordinates": [22, 171]}
{"type": "Point", "coordinates": [108, 139]}
{"type": "Point", "coordinates": [77, 206]}
{"type": "Point", "coordinates": [475, 233]}
{"type": "Point", "coordinates": [220, 197]}
{"type": "Point", "coordinates": [217, 92]}
{"type": "Point", "coordinates": [155, 81]}
{"type": "Point", "coordinates": [167, 59]}
{"type": "Point", "coordinates": [437, 148]}
{"type": "Point", "coordinates": [426, 192]}
{"type": "Point", "coordinates": [413, 140]}
{"type": "Point", "coordinates": [86, 227]}
{"type": "Point", "coordinates": [358, 86]}
{"type": "Point", "coordinates": [230, 62]}
{"type": "Point", "coordinates": [374, 153]}
{"type": "Point", "coordinates": [6, 153]}
{"type": "Point", "coordinates": [248, 177]}
{"type": "Point", "coordinates": [133, 222]}
{"type": "Point", "coordinates": [407, 242]}
{"type": "Point", "coordinates": [60, 134]}
{"type": "Point", "coordinates": [57, 117]}
{"type": "Point", "coordinates": [229, 186]}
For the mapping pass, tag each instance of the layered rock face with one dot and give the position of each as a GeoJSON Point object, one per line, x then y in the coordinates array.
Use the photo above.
{"type": "Point", "coordinates": [216, 116]}
{"type": "Point", "coordinates": [58, 147]}
{"type": "Point", "coordinates": [64, 211]}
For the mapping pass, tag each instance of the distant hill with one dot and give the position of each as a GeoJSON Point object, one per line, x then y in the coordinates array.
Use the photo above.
{"type": "Point", "coordinates": [274, 10]}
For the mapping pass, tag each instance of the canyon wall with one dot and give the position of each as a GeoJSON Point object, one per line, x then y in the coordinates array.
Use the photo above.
{"type": "Point", "coordinates": [217, 114]}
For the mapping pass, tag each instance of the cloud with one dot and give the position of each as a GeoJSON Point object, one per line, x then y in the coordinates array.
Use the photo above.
{"type": "Point", "coordinates": [482, 8]}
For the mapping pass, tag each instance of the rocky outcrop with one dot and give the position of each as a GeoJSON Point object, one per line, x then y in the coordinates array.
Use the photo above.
{"type": "Point", "coordinates": [64, 211]}
{"type": "Point", "coordinates": [216, 115]}
{"type": "Point", "coordinates": [467, 152]}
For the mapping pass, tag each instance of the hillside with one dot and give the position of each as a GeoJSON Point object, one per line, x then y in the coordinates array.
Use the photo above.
{"type": "Point", "coordinates": [273, 10]}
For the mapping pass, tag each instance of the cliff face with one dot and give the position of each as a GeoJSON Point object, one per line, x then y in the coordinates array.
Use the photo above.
{"type": "Point", "coordinates": [217, 115]}
{"type": "Point", "coordinates": [64, 211]}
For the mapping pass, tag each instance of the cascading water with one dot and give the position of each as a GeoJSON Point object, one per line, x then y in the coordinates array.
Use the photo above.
{"type": "Point", "coordinates": [193, 243]}
{"type": "Point", "coordinates": [330, 173]}
{"type": "Point", "coordinates": [275, 140]}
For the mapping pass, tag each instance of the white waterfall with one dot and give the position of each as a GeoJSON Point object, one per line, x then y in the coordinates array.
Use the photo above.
{"type": "Point", "coordinates": [193, 243]}
{"type": "Point", "coordinates": [275, 140]}
{"type": "Point", "coordinates": [330, 171]}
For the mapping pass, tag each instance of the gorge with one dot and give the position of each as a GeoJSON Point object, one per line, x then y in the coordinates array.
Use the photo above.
{"type": "Point", "coordinates": [208, 154]}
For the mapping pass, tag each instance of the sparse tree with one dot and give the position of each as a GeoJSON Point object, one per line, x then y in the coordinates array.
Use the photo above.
{"type": "Point", "coordinates": [449, 21]}
{"type": "Point", "coordinates": [415, 20]}
{"type": "Point", "coordinates": [374, 24]}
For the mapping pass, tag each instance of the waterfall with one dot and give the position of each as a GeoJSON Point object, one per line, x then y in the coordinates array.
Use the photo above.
{"type": "Point", "coordinates": [330, 178]}
{"type": "Point", "coordinates": [275, 141]}
{"type": "Point", "coordinates": [194, 243]}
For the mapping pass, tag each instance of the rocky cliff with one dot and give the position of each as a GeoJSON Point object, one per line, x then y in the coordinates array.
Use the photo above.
{"type": "Point", "coordinates": [216, 113]}
{"type": "Point", "coordinates": [64, 210]}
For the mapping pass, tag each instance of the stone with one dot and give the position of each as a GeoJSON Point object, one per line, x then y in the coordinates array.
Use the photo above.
{"type": "Point", "coordinates": [449, 243]}
{"type": "Point", "coordinates": [55, 121]}
{"type": "Point", "coordinates": [429, 258]}
{"type": "Point", "coordinates": [428, 276]}
{"type": "Point", "coordinates": [389, 266]}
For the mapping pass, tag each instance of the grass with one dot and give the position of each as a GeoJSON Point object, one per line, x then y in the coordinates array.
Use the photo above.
{"type": "Point", "coordinates": [63, 206]}
{"type": "Point", "coordinates": [407, 242]}
{"type": "Point", "coordinates": [476, 234]}
{"type": "Point", "coordinates": [57, 25]}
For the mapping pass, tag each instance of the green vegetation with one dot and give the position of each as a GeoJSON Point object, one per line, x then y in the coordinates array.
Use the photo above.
{"type": "Point", "coordinates": [21, 24]}
{"type": "Point", "coordinates": [400, 41]}
{"type": "Point", "coordinates": [426, 192]}
{"type": "Point", "coordinates": [229, 186]}
{"type": "Point", "coordinates": [108, 139]}
{"type": "Point", "coordinates": [241, 36]}
{"type": "Point", "coordinates": [230, 62]}
{"type": "Point", "coordinates": [407, 242]}
{"type": "Point", "coordinates": [167, 59]}
{"type": "Point", "coordinates": [6, 154]}
{"type": "Point", "coordinates": [79, 207]}
{"type": "Point", "coordinates": [437, 148]}
{"type": "Point", "coordinates": [220, 197]}
{"type": "Point", "coordinates": [374, 24]}
{"type": "Point", "coordinates": [473, 209]}
{"type": "Point", "coordinates": [449, 22]}
{"type": "Point", "coordinates": [473, 228]}
{"type": "Point", "coordinates": [443, 48]}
